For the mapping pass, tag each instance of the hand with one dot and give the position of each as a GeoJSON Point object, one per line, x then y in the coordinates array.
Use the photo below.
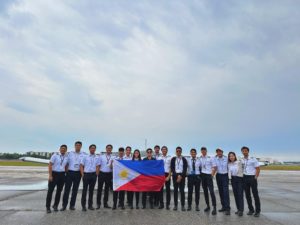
{"type": "Point", "coordinates": [256, 177]}
{"type": "Point", "coordinates": [179, 178]}
{"type": "Point", "coordinates": [50, 178]}
{"type": "Point", "coordinates": [167, 179]}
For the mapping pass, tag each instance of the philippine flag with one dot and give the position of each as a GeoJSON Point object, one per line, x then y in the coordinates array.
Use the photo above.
{"type": "Point", "coordinates": [148, 175]}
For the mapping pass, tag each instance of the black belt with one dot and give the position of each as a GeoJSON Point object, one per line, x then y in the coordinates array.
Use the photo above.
{"type": "Point", "coordinates": [89, 172]}
{"type": "Point", "coordinates": [73, 171]}
{"type": "Point", "coordinates": [58, 172]}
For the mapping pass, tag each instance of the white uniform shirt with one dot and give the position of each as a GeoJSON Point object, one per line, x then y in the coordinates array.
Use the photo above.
{"type": "Point", "coordinates": [207, 163]}
{"type": "Point", "coordinates": [74, 160]}
{"type": "Point", "coordinates": [167, 162]}
{"type": "Point", "coordinates": [89, 162]}
{"type": "Point", "coordinates": [197, 166]}
{"type": "Point", "coordinates": [157, 156]}
{"type": "Point", "coordinates": [105, 162]}
{"type": "Point", "coordinates": [249, 165]}
{"type": "Point", "coordinates": [235, 169]}
{"type": "Point", "coordinates": [222, 164]}
{"type": "Point", "coordinates": [59, 162]}
{"type": "Point", "coordinates": [178, 164]}
{"type": "Point", "coordinates": [127, 157]}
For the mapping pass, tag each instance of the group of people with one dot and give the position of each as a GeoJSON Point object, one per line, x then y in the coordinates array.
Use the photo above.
{"type": "Point", "coordinates": [68, 170]}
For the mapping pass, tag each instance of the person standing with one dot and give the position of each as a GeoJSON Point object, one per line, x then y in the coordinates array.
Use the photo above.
{"type": "Point", "coordinates": [222, 180]}
{"type": "Point", "coordinates": [136, 157]}
{"type": "Point", "coordinates": [208, 167]}
{"type": "Point", "coordinates": [194, 179]}
{"type": "Point", "coordinates": [167, 168]}
{"type": "Point", "coordinates": [179, 170]}
{"type": "Point", "coordinates": [156, 195]}
{"type": "Point", "coordinates": [105, 176]}
{"type": "Point", "coordinates": [119, 194]}
{"type": "Point", "coordinates": [150, 193]}
{"type": "Point", "coordinates": [89, 170]}
{"type": "Point", "coordinates": [251, 173]}
{"type": "Point", "coordinates": [235, 173]}
{"type": "Point", "coordinates": [128, 157]}
{"type": "Point", "coordinates": [57, 169]}
{"type": "Point", "coordinates": [73, 176]}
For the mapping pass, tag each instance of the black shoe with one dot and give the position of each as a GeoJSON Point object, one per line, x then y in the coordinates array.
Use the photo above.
{"type": "Point", "coordinates": [114, 207]}
{"type": "Point", "coordinates": [72, 208]}
{"type": "Point", "coordinates": [151, 206]}
{"type": "Point", "coordinates": [83, 209]}
{"type": "Point", "coordinates": [55, 209]}
{"type": "Point", "coordinates": [167, 207]}
{"type": "Point", "coordinates": [189, 208]}
{"type": "Point", "coordinates": [256, 214]}
{"type": "Point", "coordinates": [175, 208]}
{"type": "Point", "coordinates": [123, 207]}
{"type": "Point", "coordinates": [48, 210]}
{"type": "Point", "coordinates": [63, 208]}
{"type": "Point", "coordinates": [161, 207]}
{"type": "Point", "coordinates": [119, 206]}
{"type": "Point", "coordinates": [137, 207]}
{"type": "Point", "coordinates": [183, 208]}
{"type": "Point", "coordinates": [207, 209]}
{"type": "Point", "coordinates": [237, 212]}
{"type": "Point", "coordinates": [143, 207]}
{"type": "Point", "coordinates": [91, 208]}
{"type": "Point", "coordinates": [222, 210]}
{"type": "Point", "coordinates": [227, 212]}
{"type": "Point", "coordinates": [131, 207]}
{"type": "Point", "coordinates": [214, 212]}
{"type": "Point", "coordinates": [197, 208]}
{"type": "Point", "coordinates": [240, 213]}
{"type": "Point", "coordinates": [250, 213]}
{"type": "Point", "coordinates": [98, 207]}
{"type": "Point", "coordinates": [107, 206]}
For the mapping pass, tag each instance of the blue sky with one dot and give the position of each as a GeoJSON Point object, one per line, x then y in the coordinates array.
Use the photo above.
{"type": "Point", "coordinates": [189, 73]}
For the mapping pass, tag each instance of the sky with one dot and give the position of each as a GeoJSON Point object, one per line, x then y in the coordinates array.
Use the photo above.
{"type": "Point", "coordinates": [177, 73]}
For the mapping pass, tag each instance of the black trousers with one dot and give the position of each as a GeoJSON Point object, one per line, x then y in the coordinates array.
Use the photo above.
{"type": "Point", "coordinates": [130, 195]}
{"type": "Point", "coordinates": [237, 188]}
{"type": "Point", "coordinates": [72, 180]}
{"type": "Point", "coordinates": [121, 195]}
{"type": "Point", "coordinates": [104, 178]}
{"type": "Point", "coordinates": [194, 181]}
{"type": "Point", "coordinates": [223, 186]}
{"type": "Point", "coordinates": [168, 192]}
{"type": "Point", "coordinates": [179, 186]}
{"type": "Point", "coordinates": [89, 181]}
{"type": "Point", "coordinates": [59, 181]}
{"type": "Point", "coordinates": [207, 184]}
{"type": "Point", "coordinates": [151, 198]}
{"type": "Point", "coordinates": [251, 183]}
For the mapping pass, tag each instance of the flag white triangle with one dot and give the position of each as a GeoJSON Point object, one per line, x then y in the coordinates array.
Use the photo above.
{"type": "Point", "coordinates": [122, 174]}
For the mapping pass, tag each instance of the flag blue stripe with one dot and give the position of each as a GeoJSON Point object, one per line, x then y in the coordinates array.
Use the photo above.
{"type": "Point", "coordinates": [147, 167]}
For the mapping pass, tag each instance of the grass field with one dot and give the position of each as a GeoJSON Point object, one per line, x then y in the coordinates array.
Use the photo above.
{"type": "Point", "coordinates": [281, 167]}
{"type": "Point", "coordinates": [20, 163]}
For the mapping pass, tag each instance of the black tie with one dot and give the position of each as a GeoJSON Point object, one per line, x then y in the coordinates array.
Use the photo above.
{"type": "Point", "coordinates": [194, 168]}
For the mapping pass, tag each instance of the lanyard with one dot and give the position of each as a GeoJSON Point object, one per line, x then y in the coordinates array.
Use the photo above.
{"type": "Point", "coordinates": [193, 164]}
{"type": "Point", "coordinates": [92, 160]}
{"type": "Point", "coordinates": [107, 159]}
{"type": "Point", "coordinates": [62, 158]}
{"type": "Point", "coordinates": [178, 162]}
{"type": "Point", "coordinates": [204, 162]}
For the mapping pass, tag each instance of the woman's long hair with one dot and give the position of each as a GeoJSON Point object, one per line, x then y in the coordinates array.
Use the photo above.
{"type": "Point", "coordinates": [139, 157]}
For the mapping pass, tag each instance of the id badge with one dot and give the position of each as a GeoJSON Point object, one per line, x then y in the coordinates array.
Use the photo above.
{"type": "Point", "coordinates": [62, 169]}
{"type": "Point", "coordinates": [76, 166]}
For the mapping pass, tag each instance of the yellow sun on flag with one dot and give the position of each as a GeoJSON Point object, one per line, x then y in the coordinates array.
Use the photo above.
{"type": "Point", "coordinates": [123, 174]}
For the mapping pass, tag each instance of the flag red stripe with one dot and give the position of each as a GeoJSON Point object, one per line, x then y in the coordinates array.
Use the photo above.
{"type": "Point", "coordinates": [144, 183]}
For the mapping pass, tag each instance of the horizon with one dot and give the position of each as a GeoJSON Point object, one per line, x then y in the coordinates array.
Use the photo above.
{"type": "Point", "coordinates": [222, 74]}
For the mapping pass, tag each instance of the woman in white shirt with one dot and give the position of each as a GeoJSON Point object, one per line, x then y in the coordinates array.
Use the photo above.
{"type": "Point", "coordinates": [235, 173]}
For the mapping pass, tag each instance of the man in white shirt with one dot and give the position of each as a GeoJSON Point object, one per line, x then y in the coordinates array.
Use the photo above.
{"type": "Point", "coordinates": [129, 194]}
{"type": "Point", "coordinates": [167, 168]}
{"type": "Point", "coordinates": [223, 180]}
{"type": "Point", "coordinates": [105, 176]}
{"type": "Point", "coordinates": [57, 169]}
{"type": "Point", "coordinates": [251, 174]}
{"type": "Point", "coordinates": [73, 176]}
{"type": "Point", "coordinates": [156, 195]}
{"type": "Point", "coordinates": [194, 179]}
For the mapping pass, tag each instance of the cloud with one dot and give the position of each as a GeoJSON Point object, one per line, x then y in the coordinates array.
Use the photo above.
{"type": "Point", "coordinates": [188, 73]}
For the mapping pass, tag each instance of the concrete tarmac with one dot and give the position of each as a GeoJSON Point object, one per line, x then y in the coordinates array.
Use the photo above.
{"type": "Point", "coordinates": [23, 193]}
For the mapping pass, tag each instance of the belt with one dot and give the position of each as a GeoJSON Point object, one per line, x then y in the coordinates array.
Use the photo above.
{"type": "Point", "coordinates": [73, 171]}
{"type": "Point", "coordinates": [89, 172]}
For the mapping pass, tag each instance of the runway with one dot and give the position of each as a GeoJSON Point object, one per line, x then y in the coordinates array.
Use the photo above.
{"type": "Point", "coordinates": [23, 193]}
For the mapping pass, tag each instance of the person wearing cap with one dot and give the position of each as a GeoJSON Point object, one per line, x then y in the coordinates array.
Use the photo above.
{"type": "Point", "coordinates": [120, 194]}
{"type": "Point", "coordinates": [73, 176]}
{"type": "Point", "coordinates": [167, 167]}
{"type": "Point", "coordinates": [128, 156]}
{"type": "Point", "coordinates": [194, 179]}
{"type": "Point", "coordinates": [179, 170]}
{"type": "Point", "coordinates": [223, 180]}
{"type": "Point", "coordinates": [150, 194]}
{"type": "Point", "coordinates": [105, 176]}
{"type": "Point", "coordinates": [89, 170]}
{"type": "Point", "coordinates": [235, 174]}
{"type": "Point", "coordinates": [57, 173]}
{"type": "Point", "coordinates": [251, 173]}
{"type": "Point", "coordinates": [208, 167]}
